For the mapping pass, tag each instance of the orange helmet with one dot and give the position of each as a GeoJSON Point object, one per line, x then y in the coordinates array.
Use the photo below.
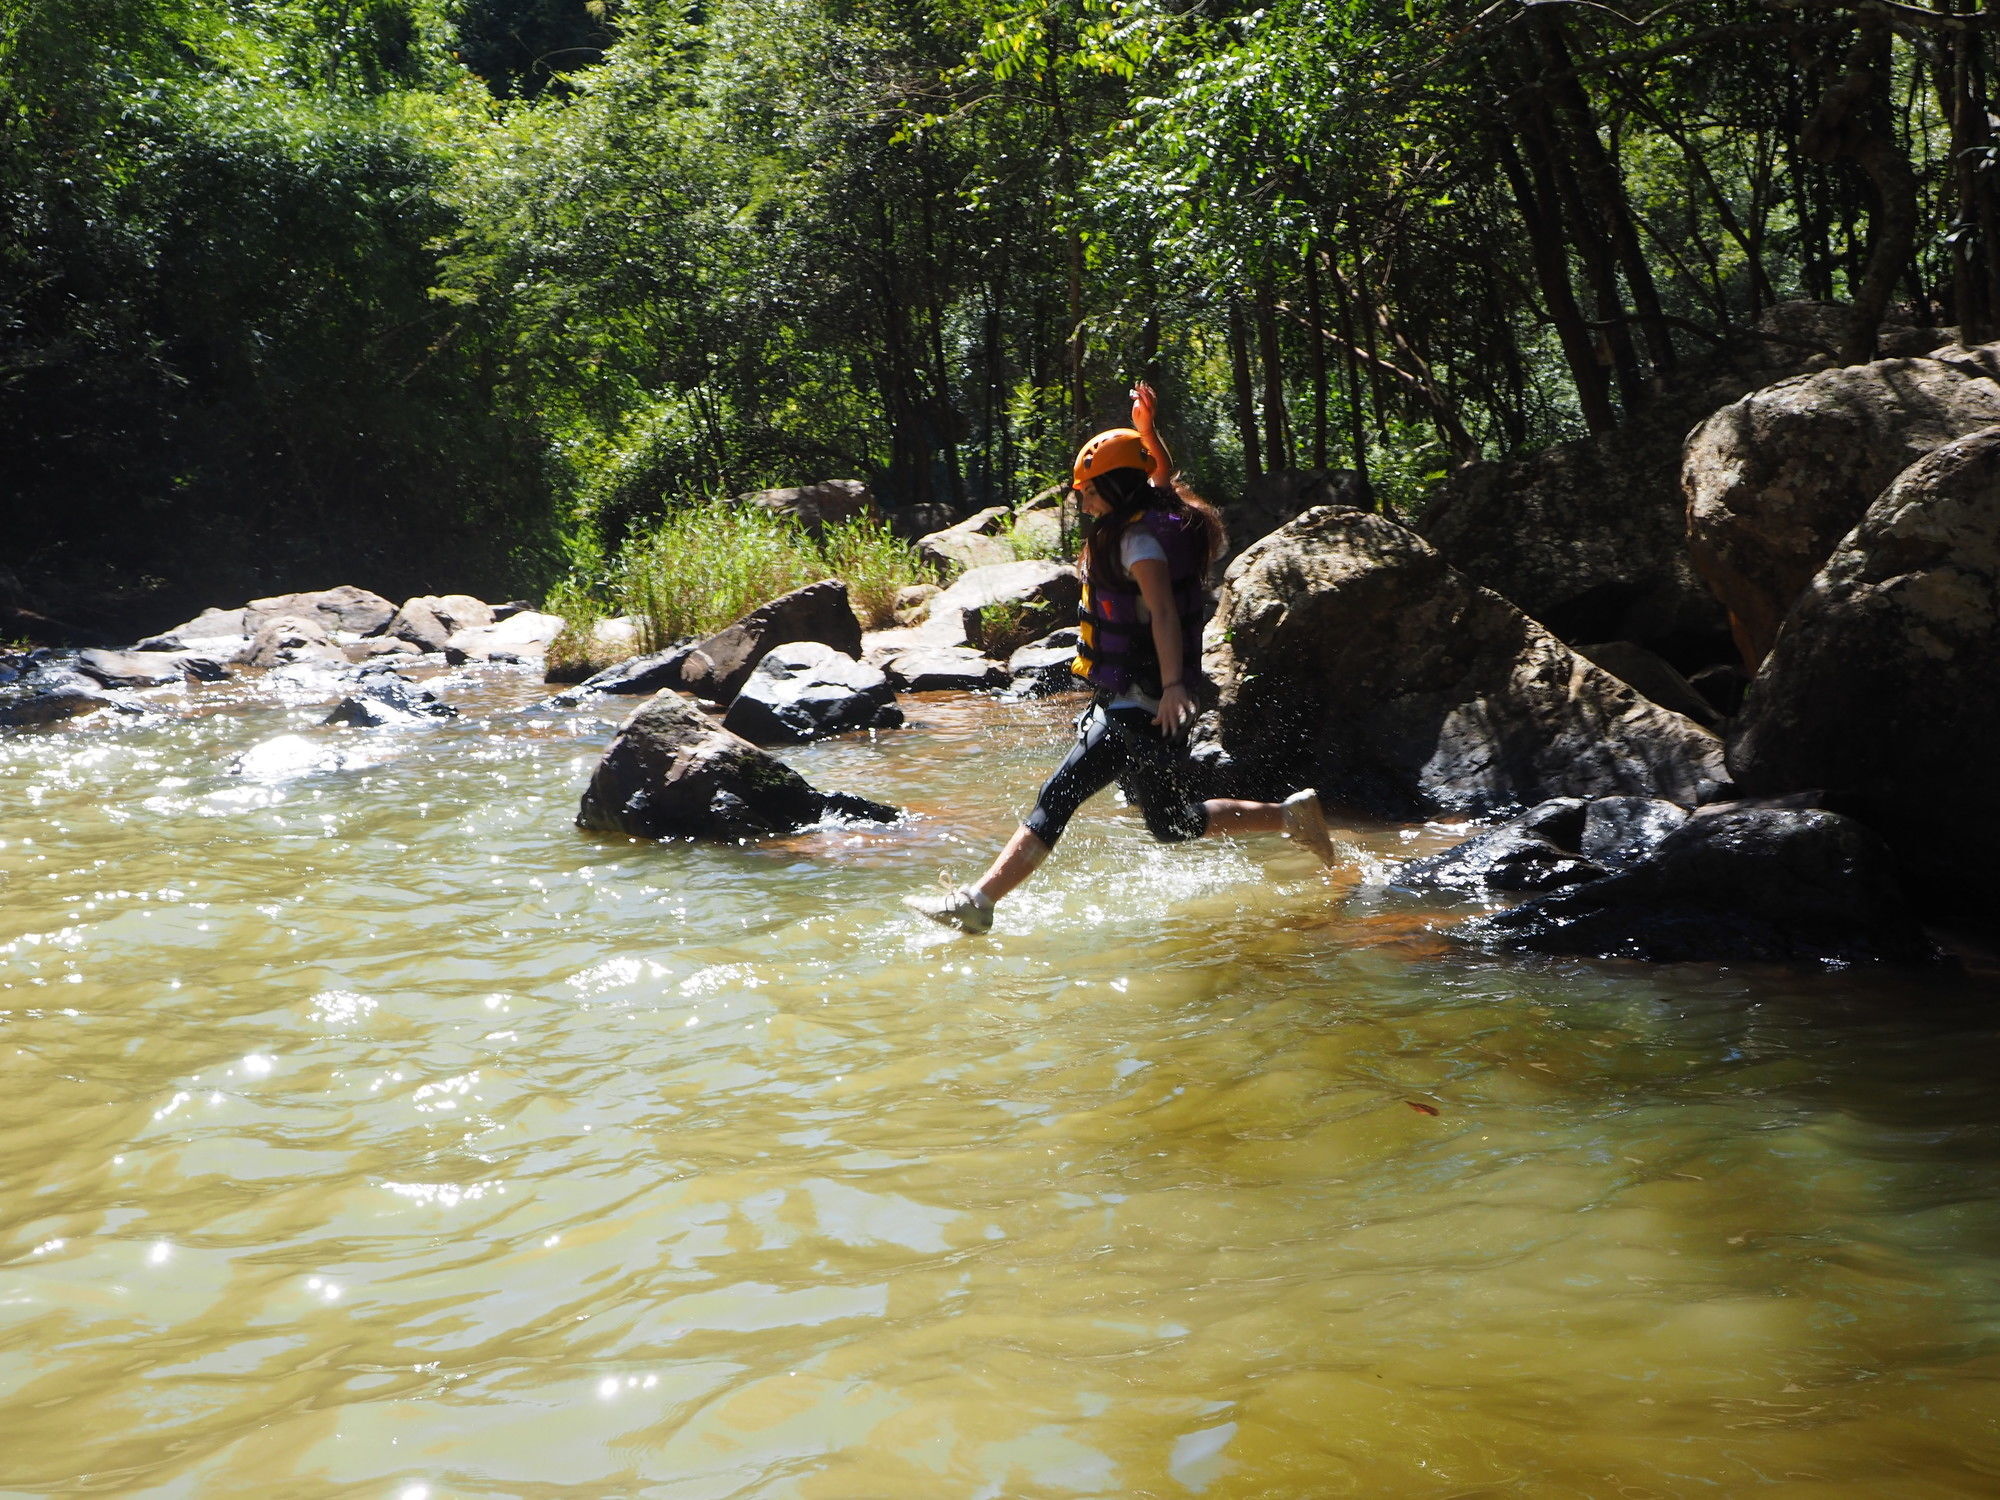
{"type": "Point", "coordinates": [1114, 448]}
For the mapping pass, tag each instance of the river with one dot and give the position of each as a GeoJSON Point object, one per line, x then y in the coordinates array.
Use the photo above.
{"type": "Point", "coordinates": [370, 1131]}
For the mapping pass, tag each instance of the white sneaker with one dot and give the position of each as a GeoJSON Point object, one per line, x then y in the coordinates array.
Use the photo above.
{"type": "Point", "coordinates": [1305, 823]}
{"type": "Point", "coordinates": [961, 907]}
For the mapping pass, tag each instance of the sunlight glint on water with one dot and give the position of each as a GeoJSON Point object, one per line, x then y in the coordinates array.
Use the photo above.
{"type": "Point", "coordinates": [371, 1131]}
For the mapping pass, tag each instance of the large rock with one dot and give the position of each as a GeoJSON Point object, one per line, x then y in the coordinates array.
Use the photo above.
{"type": "Point", "coordinates": [814, 506]}
{"type": "Point", "coordinates": [1046, 666]}
{"type": "Point", "coordinates": [1533, 852]}
{"type": "Point", "coordinates": [1001, 608]}
{"type": "Point", "coordinates": [292, 638]}
{"type": "Point", "coordinates": [717, 668]}
{"type": "Point", "coordinates": [210, 625]}
{"type": "Point", "coordinates": [936, 669]}
{"type": "Point", "coordinates": [345, 608]}
{"type": "Point", "coordinates": [142, 669]}
{"type": "Point", "coordinates": [1588, 536]}
{"type": "Point", "coordinates": [1774, 480]}
{"type": "Point", "coordinates": [672, 771]}
{"type": "Point", "coordinates": [428, 621]}
{"type": "Point", "coordinates": [806, 691]}
{"type": "Point", "coordinates": [975, 542]}
{"type": "Point", "coordinates": [1884, 684]}
{"type": "Point", "coordinates": [638, 674]}
{"type": "Point", "coordinates": [521, 639]}
{"type": "Point", "coordinates": [1351, 657]}
{"type": "Point", "coordinates": [385, 701]}
{"type": "Point", "coordinates": [49, 693]}
{"type": "Point", "coordinates": [1653, 675]}
{"type": "Point", "coordinates": [1733, 883]}
{"type": "Point", "coordinates": [1273, 498]}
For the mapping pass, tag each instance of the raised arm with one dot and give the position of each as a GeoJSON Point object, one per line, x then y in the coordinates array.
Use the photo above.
{"type": "Point", "coordinates": [1145, 406]}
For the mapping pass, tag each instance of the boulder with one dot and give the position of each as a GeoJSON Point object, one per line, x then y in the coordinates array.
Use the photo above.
{"type": "Point", "coordinates": [1884, 683]}
{"type": "Point", "coordinates": [638, 674]}
{"type": "Point", "coordinates": [921, 519]}
{"type": "Point", "coordinates": [1047, 532]}
{"type": "Point", "coordinates": [1619, 832]}
{"type": "Point", "coordinates": [975, 542]}
{"type": "Point", "coordinates": [1001, 608]}
{"type": "Point", "coordinates": [344, 608]}
{"type": "Point", "coordinates": [671, 771]}
{"type": "Point", "coordinates": [1734, 883]}
{"type": "Point", "coordinates": [913, 602]}
{"type": "Point", "coordinates": [428, 621]}
{"type": "Point", "coordinates": [717, 668]}
{"type": "Point", "coordinates": [209, 625]}
{"type": "Point", "coordinates": [1653, 675]}
{"type": "Point", "coordinates": [1351, 657]}
{"type": "Point", "coordinates": [806, 691]}
{"type": "Point", "coordinates": [520, 640]}
{"type": "Point", "coordinates": [291, 638]}
{"type": "Point", "coordinates": [936, 669]}
{"type": "Point", "coordinates": [1588, 536]}
{"type": "Point", "coordinates": [1043, 667]}
{"type": "Point", "coordinates": [814, 506]}
{"type": "Point", "coordinates": [1773, 481]}
{"type": "Point", "coordinates": [143, 669]}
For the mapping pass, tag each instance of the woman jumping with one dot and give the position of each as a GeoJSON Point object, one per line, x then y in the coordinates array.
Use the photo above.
{"type": "Point", "coordinates": [1149, 542]}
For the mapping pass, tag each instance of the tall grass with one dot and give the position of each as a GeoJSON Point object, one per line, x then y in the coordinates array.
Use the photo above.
{"type": "Point", "coordinates": [704, 566]}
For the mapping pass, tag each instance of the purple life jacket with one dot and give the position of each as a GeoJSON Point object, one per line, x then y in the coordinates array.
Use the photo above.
{"type": "Point", "coordinates": [1115, 650]}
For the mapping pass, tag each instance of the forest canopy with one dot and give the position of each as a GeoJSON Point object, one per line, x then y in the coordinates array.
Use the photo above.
{"type": "Point", "coordinates": [442, 295]}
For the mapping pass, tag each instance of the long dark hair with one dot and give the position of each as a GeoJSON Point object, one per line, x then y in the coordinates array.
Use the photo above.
{"type": "Point", "coordinates": [1131, 493]}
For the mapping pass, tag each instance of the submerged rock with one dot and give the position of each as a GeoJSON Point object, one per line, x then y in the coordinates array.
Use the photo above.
{"type": "Point", "coordinates": [50, 692]}
{"type": "Point", "coordinates": [717, 668]}
{"type": "Point", "coordinates": [1736, 882]}
{"type": "Point", "coordinates": [806, 691]}
{"type": "Point", "coordinates": [671, 771]}
{"type": "Point", "coordinates": [1884, 684]}
{"type": "Point", "coordinates": [1774, 480]}
{"type": "Point", "coordinates": [1351, 657]}
{"type": "Point", "coordinates": [1535, 852]}
{"type": "Point", "coordinates": [386, 700]}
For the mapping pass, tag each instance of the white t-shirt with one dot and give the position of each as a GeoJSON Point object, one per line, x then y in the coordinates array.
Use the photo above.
{"type": "Point", "coordinates": [1138, 545]}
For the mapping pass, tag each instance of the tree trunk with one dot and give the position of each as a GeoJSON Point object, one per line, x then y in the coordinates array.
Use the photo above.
{"type": "Point", "coordinates": [1317, 315]}
{"type": "Point", "coordinates": [1276, 449]}
{"type": "Point", "coordinates": [1246, 404]}
{"type": "Point", "coordinates": [1532, 197]}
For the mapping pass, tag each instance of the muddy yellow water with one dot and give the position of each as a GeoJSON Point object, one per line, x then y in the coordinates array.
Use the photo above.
{"type": "Point", "coordinates": [368, 1130]}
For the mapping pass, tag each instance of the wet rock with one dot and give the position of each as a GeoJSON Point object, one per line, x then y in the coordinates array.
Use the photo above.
{"type": "Point", "coordinates": [1653, 675]}
{"type": "Point", "coordinates": [639, 674]}
{"type": "Point", "coordinates": [1618, 832]}
{"type": "Point", "coordinates": [672, 771]}
{"type": "Point", "coordinates": [48, 693]}
{"type": "Point", "coordinates": [1351, 657]}
{"type": "Point", "coordinates": [717, 668]}
{"type": "Point", "coordinates": [935, 669]}
{"type": "Point", "coordinates": [814, 506]}
{"type": "Point", "coordinates": [806, 691]}
{"type": "Point", "coordinates": [974, 542]}
{"type": "Point", "coordinates": [999, 609]}
{"type": "Point", "coordinates": [1045, 666]}
{"type": "Point", "coordinates": [385, 700]}
{"type": "Point", "coordinates": [286, 756]}
{"type": "Point", "coordinates": [1775, 480]}
{"type": "Point", "coordinates": [288, 639]}
{"type": "Point", "coordinates": [1884, 684]}
{"type": "Point", "coordinates": [141, 669]}
{"type": "Point", "coordinates": [344, 608]}
{"type": "Point", "coordinates": [1741, 883]}
{"type": "Point", "coordinates": [519, 640]}
{"type": "Point", "coordinates": [1534, 852]}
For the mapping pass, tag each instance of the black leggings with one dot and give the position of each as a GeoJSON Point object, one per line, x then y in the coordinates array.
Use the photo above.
{"type": "Point", "coordinates": [1122, 745]}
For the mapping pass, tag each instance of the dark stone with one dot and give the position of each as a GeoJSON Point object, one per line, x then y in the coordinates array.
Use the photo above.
{"type": "Point", "coordinates": [508, 610]}
{"type": "Point", "coordinates": [1744, 884]}
{"type": "Point", "coordinates": [638, 674]}
{"type": "Point", "coordinates": [815, 506]}
{"type": "Point", "coordinates": [1883, 687]}
{"type": "Point", "coordinates": [1618, 832]}
{"type": "Point", "coordinates": [806, 691]}
{"type": "Point", "coordinates": [1508, 858]}
{"type": "Point", "coordinates": [671, 771]}
{"type": "Point", "coordinates": [49, 693]}
{"type": "Point", "coordinates": [1349, 656]}
{"type": "Point", "coordinates": [389, 700]}
{"type": "Point", "coordinates": [717, 668]}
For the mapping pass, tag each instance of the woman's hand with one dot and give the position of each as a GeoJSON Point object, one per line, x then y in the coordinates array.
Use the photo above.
{"type": "Point", "coordinates": [1145, 407]}
{"type": "Point", "coordinates": [1176, 713]}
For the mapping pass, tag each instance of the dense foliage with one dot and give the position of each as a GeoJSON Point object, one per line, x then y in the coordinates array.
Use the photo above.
{"type": "Point", "coordinates": [456, 295]}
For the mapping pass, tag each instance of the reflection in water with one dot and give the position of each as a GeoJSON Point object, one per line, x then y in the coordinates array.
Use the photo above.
{"type": "Point", "coordinates": [371, 1131]}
